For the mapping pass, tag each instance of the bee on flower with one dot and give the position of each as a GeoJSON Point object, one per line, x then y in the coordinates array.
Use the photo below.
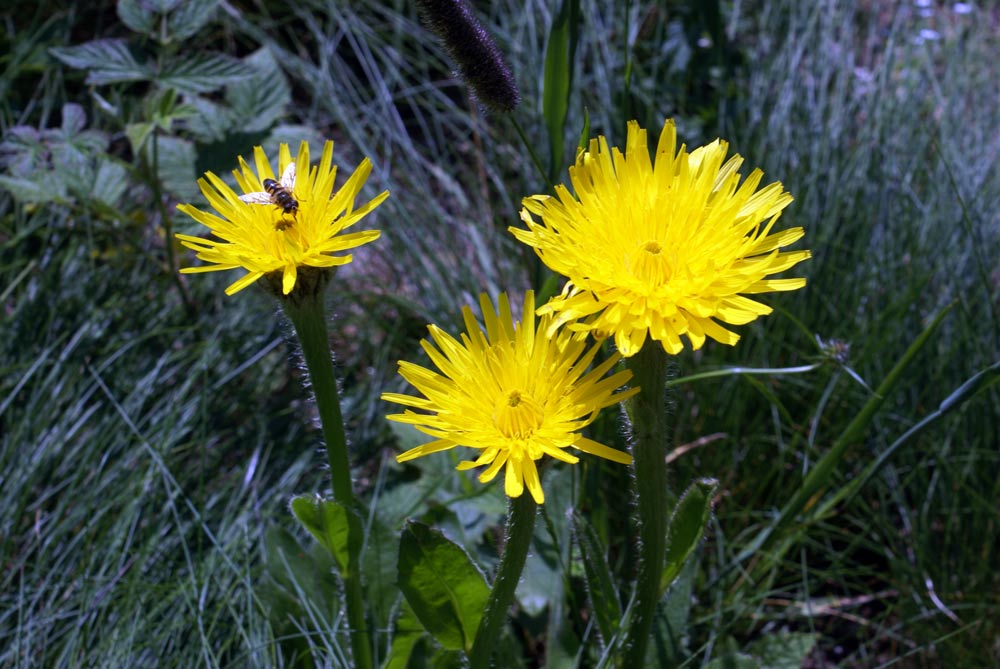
{"type": "Point", "coordinates": [276, 228]}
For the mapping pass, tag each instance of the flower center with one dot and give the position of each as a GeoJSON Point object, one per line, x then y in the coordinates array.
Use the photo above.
{"type": "Point", "coordinates": [517, 415]}
{"type": "Point", "coordinates": [651, 264]}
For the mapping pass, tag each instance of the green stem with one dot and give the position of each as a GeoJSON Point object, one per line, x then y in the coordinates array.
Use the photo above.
{"type": "Point", "coordinates": [649, 450]}
{"type": "Point", "coordinates": [308, 318]}
{"type": "Point", "coordinates": [167, 221]}
{"type": "Point", "coordinates": [521, 513]}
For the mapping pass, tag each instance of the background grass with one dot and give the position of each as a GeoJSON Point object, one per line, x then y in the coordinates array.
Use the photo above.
{"type": "Point", "coordinates": [152, 437]}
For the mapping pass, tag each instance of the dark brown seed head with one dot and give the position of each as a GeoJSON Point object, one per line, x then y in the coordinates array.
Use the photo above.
{"type": "Point", "coordinates": [479, 60]}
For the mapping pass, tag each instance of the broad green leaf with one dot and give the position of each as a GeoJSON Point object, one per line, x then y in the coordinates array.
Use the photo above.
{"type": "Point", "coordinates": [109, 61]}
{"type": "Point", "coordinates": [211, 122]}
{"type": "Point", "coordinates": [188, 17]}
{"type": "Point", "coordinates": [74, 119]}
{"type": "Point", "coordinates": [733, 661]}
{"type": "Point", "coordinates": [446, 590]}
{"type": "Point", "coordinates": [783, 650]}
{"type": "Point", "coordinates": [687, 526]}
{"type": "Point", "coordinates": [258, 100]}
{"type": "Point", "coordinates": [176, 159]}
{"type": "Point", "coordinates": [137, 15]}
{"type": "Point", "coordinates": [407, 637]}
{"type": "Point", "coordinates": [202, 73]}
{"type": "Point", "coordinates": [378, 568]}
{"type": "Point", "coordinates": [109, 183]}
{"type": "Point", "coordinates": [27, 190]}
{"type": "Point", "coordinates": [330, 523]}
{"type": "Point", "coordinates": [137, 134]}
{"type": "Point", "coordinates": [600, 583]}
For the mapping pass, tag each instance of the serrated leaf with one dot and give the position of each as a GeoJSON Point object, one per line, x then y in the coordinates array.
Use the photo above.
{"type": "Point", "coordinates": [110, 183]}
{"type": "Point", "coordinates": [600, 583]}
{"type": "Point", "coordinates": [137, 134]}
{"type": "Point", "coordinates": [331, 523]}
{"type": "Point", "coordinates": [687, 526]}
{"type": "Point", "coordinates": [211, 120]}
{"type": "Point", "coordinates": [163, 6]}
{"type": "Point", "coordinates": [784, 650]}
{"type": "Point", "coordinates": [176, 167]}
{"type": "Point", "coordinates": [27, 191]}
{"type": "Point", "coordinates": [260, 99]}
{"type": "Point", "coordinates": [202, 73]}
{"type": "Point", "coordinates": [137, 15]}
{"type": "Point", "coordinates": [109, 61]}
{"type": "Point", "coordinates": [446, 590]}
{"type": "Point", "coordinates": [74, 119]}
{"type": "Point", "coordinates": [189, 17]}
{"type": "Point", "coordinates": [733, 661]}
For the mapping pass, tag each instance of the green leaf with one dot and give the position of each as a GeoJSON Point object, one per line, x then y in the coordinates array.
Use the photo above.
{"type": "Point", "coordinates": [600, 583]}
{"type": "Point", "coordinates": [109, 183]}
{"type": "Point", "coordinates": [26, 190]}
{"type": "Point", "coordinates": [672, 633]}
{"type": "Point", "coordinates": [378, 568]}
{"type": "Point", "coordinates": [109, 61]}
{"type": "Point", "coordinates": [558, 81]}
{"type": "Point", "coordinates": [733, 661]}
{"type": "Point", "coordinates": [687, 526]}
{"type": "Point", "coordinates": [784, 650]}
{"type": "Point", "coordinates": [176, 167]}
{"type": "Point", "coordinates": [137, 15]}
{"type": "Point", "coordinates": [259, 100]}
{"type": "Point", "coordinates": [407, 635]}
{"type": "Point", "coordinates": [137, 134]}
{"type": "Point", "coordinates": [211, 121]}
{"type": "Point", "coordinates": [447, 591]}
{"type": "Point", "coordinates": [188, 17]}
{"type": "Point", "coordinates": [202, 73]}
{"type": "Point", "coordinates": [298, 594]}
{"type": "Point", "coordinates": [329, 522]}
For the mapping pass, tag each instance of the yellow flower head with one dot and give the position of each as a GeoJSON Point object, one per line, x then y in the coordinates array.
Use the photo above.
{"type": "Point", "coordinates": [661, 250]}
{"type": "Point", "coordinates": [280, 225]}
{"type": "Point", "coordinates": [516, 392]}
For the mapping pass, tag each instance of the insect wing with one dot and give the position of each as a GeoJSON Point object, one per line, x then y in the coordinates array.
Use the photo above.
{"type": "Point", "coordinates": [260, 197]}
{"type": "Point", "coordinates": [288, 177]}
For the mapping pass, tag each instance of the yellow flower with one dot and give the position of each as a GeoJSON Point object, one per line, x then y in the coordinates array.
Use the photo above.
{"type": "Point", "coordinates": [295, 222]}
{"type": "Point", "coordinates": [515, 392]}
{"type": "Point", "coordinates": [661, 250]}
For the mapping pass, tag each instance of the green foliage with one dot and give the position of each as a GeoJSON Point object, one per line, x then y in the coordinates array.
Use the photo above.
{"type": "Point", "coordinates": [444, 588]}
{"type": "Point", "coordinates": [328, 521]}
{"type": "Point", "coordinates": [560, 58]}
{"type": "Point", "coordinates": [600, 582]}
{"type": "Point", "coordinates": [687, 526]}
{"type": "Point", "coordinates": [152, 432]}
